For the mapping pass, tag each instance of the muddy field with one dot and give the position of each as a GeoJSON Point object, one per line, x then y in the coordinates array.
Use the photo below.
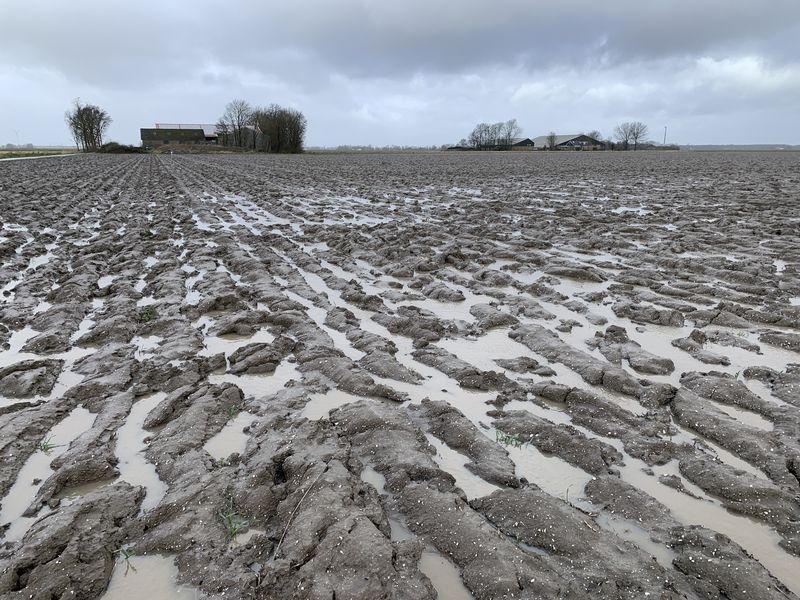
{"type": "Point", "coordinates": [400, 376]}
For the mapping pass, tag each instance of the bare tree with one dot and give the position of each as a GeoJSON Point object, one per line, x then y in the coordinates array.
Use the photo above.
{"type": "Point", "coordinates": [234, 125]}
{"type": "Point", "coordinates": [480, 135]}
{"type": "Point", "coordinates": [622, 133]}
{"type": "Point", "coordinates": [552, 138]}
{"type": "Point", "coordinates": [87, 124]}
{"type": "Point", "coordinates": [633, 131]}
{"type": "Point", "coordinates": [638, 133]}
{"type": "Point", "coordinates": [510, 130]}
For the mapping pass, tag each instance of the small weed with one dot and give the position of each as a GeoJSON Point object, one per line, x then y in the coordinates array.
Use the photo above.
{"type": "Point", "coordinates": [147, 314]}
{"type": "Point", "coordinates": [509, 440]}
{"type": "Point", "coordinates": [233, 522]}
{"type": "Point", "coordinates": [47, 445]}
{"type": "Point", "coordinates": [126, 554]}
{"type": "Point", "coordinates": [233, 411]}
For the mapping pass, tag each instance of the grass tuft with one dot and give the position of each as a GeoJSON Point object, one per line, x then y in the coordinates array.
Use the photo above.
{"type": "Point", "coordinates": [126, 554]}
{"type": "Point", "coordinates": [509, 439]}
{"type": "Point", "coordinates": [147, 314]}
{"type": "Point", "coordinates": [46, 445]}
{"type": "Point", "coordinates": [233, 522]}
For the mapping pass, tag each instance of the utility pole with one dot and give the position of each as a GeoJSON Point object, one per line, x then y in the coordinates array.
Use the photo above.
{"type": "Point", "coordinates": [665, 135]}
{"type": "Point", "coordinates": [16, 132]}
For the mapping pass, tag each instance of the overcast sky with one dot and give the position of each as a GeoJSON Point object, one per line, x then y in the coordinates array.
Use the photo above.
{"type": "Point", "coordinates": [408, 72]}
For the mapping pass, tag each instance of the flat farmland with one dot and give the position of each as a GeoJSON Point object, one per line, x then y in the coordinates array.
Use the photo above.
{"type": "Point", "coordinates": [406, 376]}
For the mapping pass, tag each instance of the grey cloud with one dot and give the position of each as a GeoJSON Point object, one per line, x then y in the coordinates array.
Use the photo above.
{"type": "Point", "coordinates": [418, 71]}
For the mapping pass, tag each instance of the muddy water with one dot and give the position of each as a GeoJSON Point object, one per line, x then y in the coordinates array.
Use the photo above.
{"type": "Point", "coordinates": [758, 539]}
{"type": "Point", "coordinates": [453, 462]}
{"type": "Point", "coordinates": [442, 573]}
{"type": "Point", "coordinates": [321, 404]}
{"type": "Point", "coordinates": [229, 343]}
{"type": "Point", "coordinates": [261, 386]}
{"type": "Point", "coordinates": [632, 532]}
{"type": "Point", "coordinates": [318, 315]}
{"type": "Point", "coordinates": [152, 577]}
{"type": "Point", "coordinates": [133, 466]}
{"type": "Point", "coordinates": [37, 468]}
{"type": "Point", "coordinates": [231, 438]}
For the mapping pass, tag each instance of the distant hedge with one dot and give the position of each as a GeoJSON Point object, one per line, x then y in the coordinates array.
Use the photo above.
{"type": "Point", "coordinates": [115, 148]}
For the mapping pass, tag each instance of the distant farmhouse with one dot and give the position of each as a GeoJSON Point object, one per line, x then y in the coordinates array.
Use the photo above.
{"type": "Point", "coordinates": [568, 142]}
{"type": "Point", "coordinates": [178, 133]}
{"type": "Point", "coordinates": [515, 144]}
{"type": "Point", "coordinates": [543, 142]}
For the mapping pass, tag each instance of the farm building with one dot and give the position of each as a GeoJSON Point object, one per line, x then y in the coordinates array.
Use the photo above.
{"type": "Point", "coordinates": [522, 144]}
{"type": "Point", "coordinates": [568, 142]}
{"type": "Point", "coordinates": [177, 133]}
{"type": "Point", "coordinates": [515, 145]}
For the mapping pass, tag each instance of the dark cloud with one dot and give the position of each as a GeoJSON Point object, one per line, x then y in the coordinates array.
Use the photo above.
{"type": "Point", "coordinates": [358, 68]}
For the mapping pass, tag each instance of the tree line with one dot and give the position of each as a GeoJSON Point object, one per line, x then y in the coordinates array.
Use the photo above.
{"type": "Point", "coordinates": [492, 134]}
{"type": "Point", "coordinates": [502, 134]}
{"type": "Point", "coordinates": [265, 129]}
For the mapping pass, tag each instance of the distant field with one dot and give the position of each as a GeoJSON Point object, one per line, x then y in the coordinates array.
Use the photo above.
{"type": "Point", "coordinates": [28, 153]}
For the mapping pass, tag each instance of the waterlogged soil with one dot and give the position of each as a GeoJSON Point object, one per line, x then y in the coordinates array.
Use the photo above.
{"type": "Point", "coordinates": [400, 376]}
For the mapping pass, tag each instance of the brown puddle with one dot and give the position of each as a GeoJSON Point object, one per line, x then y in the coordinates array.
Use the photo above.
{"type": "Point", "coordinates": [152, 577]}
{"type": "Point", "coordinates": [320, 405]}
{"type": "Point", "coordinates": [133, 466]}
{"type": "Point", "coordinates": [232, 438]}
{"type": "Point", "coordinates": [37, 468]}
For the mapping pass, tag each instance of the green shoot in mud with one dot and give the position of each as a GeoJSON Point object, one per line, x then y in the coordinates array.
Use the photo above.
{"type": "Point", "coordinates": [126, 554]}
{"type": "Point", "coordinates": [46, 445]}
{"type": "Point", "coordinates": [147, 314]}
{"type": "Point", "coordinates": [509, 439]}
{"type": "Point", "coordinates": [233, 411]}
{"type": "Point", "coordinates": [566, 494]}
{"type": "Point", "coordinates": [233, 522]}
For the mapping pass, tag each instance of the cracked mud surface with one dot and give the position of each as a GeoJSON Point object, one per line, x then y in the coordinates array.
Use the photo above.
{"type": "Point", "coordinates": [400, 376]}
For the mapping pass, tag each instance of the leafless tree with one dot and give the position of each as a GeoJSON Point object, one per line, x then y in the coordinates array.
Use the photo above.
{"type": "Point", "coordinates": [638, 132]}
{"type": "Point", "coordinates": [510, 130]}
{"type": "Point", "coordinates": [479, 136]}
{"type": "Point", "coordinates": [87, 124]}
{"type": "Point", "coordinates": [631, 131]}
{"type": "Point", "coordinates": [622, 133]}
{"type": "Point", "coordinates": [552, 138]}
{"type": "Point", "coordinates": [233, 128]}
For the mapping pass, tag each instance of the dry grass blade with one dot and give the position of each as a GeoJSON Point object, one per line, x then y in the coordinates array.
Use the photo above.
{"type": "Point", "coordinates": [291, 515]}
